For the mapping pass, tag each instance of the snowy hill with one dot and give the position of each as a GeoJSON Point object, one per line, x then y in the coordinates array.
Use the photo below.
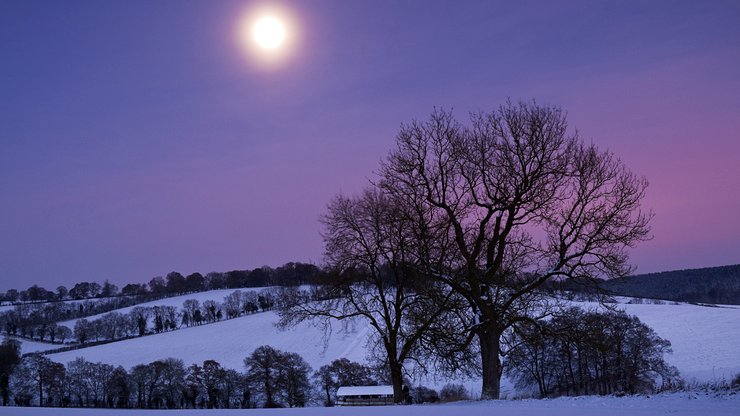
{"type": "Point", "coordinates": [34, 346]}
{"type": "Point", "coordinates": [705, 340]}
{"type": "Point", "coordinates": [228, 342]}
{"type": "Point", "coordinates": [176, 301]}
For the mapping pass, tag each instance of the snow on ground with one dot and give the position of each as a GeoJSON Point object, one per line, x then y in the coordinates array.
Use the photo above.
{"type": "Point", "coordinates": [176, 301]}
{"type": "Point", "coordinates": [34, 346]}
{"type": "Point", "coordinates": [705, 339]}
{"type": "Point", "coordinates": [679, 404]}
{"type": "Point", "coordinates": [228, 342]}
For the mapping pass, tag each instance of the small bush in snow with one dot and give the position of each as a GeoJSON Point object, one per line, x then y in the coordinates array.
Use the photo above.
{"type": "Point", "coordinates": [422, 394]}
{"type": "Point", "coordinates": [453, 393]}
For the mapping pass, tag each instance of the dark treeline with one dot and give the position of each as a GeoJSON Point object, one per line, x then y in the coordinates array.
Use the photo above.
{"type": "Point", "coordinates": [708, 285]}
{"type": "Point", "coordinates": [289, 274]}
{"type": "Point", "coordinates": [716, 285]}
{"type": "Point", "coordinates": [581, 353]}
{"type": "Point", "coordinates": [38, 320]}
{"type": "Point", "coordinates": [271, 378]}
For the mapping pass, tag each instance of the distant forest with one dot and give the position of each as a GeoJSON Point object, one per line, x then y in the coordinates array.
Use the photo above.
{"type": "Point", "coordinates": [289, 274]}
{"type": "Point", "coordinates": [707, 285]}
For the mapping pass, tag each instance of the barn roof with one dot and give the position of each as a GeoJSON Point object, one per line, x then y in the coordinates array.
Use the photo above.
{"type": "Point", "coordinates": [364, 390]}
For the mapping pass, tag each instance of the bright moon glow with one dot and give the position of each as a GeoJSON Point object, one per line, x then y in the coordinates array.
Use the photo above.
{"type": "Point", "coordinates": [269, 35]}
{"type": "Point", "coordinates": [269, 32]}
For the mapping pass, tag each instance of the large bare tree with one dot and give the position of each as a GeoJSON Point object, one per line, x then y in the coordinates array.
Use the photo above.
{"type": "Point", "coordinates": [371, 251]}
{"type": "Point", "coordinates": [524, 201]}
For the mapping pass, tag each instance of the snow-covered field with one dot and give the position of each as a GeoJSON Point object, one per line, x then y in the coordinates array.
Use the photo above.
{"type": "Point", "coordinates": [706, 345]}
{"type": "Point", "coordinates": [228, 342]}
{"type": "Point", "coordinates": [678, 404]}
{"type": "Point", "coordinates": [35, 346]}
{"type": "Point", "coordinates": [706, 340]}
{"type": "Point", "coordinates": [176, 301]}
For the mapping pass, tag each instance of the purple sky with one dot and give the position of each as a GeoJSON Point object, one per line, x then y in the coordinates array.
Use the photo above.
{"type": "Point", "coordinates": [136, 138]}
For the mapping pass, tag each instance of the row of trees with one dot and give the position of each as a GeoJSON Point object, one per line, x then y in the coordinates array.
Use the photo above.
{"type": "Point", "coordinates": [289, 274]}
{"type": "Point", "coordinates": [579, 352]}
{"type": "Point", "coordinates": [82, 290]}
{"type": "Point", "coordinates": [272, 378]}
{"type": "Point", "coordinates": [36, 321]}
{"type": "Point", "coordinates": [708, 285]}
{"type": "Point", "coordinates": [450, 248]}
{"type": "Point", "coordinates": [143, 320]}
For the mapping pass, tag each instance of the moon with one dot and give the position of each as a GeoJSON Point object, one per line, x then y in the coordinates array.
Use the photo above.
{"type": "Point", "coordinates": [270, 36]}
{"type": "Point", "coordinates": [269, 33]}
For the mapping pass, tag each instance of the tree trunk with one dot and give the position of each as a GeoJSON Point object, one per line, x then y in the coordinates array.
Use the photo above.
{"type": "Point", "coordinates": [490, 348]}
{"type": "Point", "coordinates": [268, 396]}
{"type": "Point", "coordinates": [5, 387]}
{"type": "Point", "coordinates": [397, 381]}
{"type": "Point", "coordinates": [327, 391]}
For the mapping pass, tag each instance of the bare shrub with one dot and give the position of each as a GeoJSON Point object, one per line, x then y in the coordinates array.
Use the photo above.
{"type": "Point", "coordinates": [453, 393]}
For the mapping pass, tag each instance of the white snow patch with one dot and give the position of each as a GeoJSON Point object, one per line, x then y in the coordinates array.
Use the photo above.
{"type": "Point", "coordinates": [705, 341]}
{"type": "Point", "coordinates": [228, 342]}
{"type": "Point", "coordinates": [28, 346]}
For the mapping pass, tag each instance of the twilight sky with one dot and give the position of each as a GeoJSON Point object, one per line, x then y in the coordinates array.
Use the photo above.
{"type": "Point", "coordinates": [140, 137]}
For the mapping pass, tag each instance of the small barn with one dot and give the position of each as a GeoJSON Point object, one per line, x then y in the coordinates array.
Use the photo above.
{"type": "Point", "coordinates": [365, 396]}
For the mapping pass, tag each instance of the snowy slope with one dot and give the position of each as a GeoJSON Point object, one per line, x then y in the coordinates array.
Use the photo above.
{"type": "Point", "coordinates": [684, 404]}
{"type": "Point", "coordinates": [34, 346]}
{"type": "Point", "coordinates": [176, 301]}
{"type": "Point", "coordinates": [705, 341]}
{"type": "Point", "coordinates": [228, 342]}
